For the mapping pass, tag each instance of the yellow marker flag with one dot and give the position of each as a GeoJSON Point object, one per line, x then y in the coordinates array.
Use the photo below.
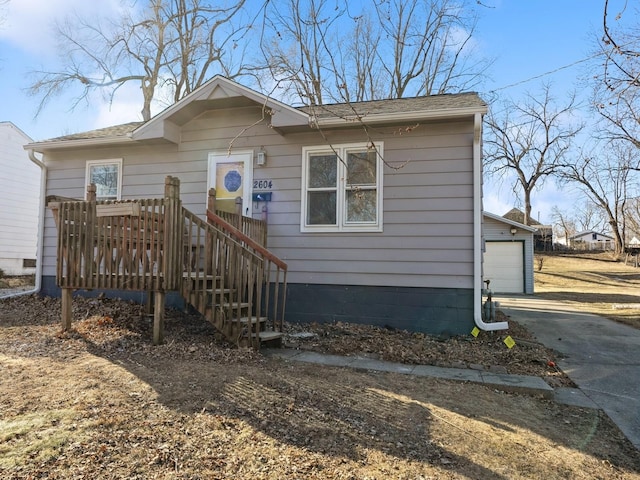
{"type": "Point", "coordinates": [509, 342]}
{"type": "Point", "coordinates": [475, 332]}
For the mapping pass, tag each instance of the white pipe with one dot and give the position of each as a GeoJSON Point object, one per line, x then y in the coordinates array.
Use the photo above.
{"type": "Point", "coordinates": [477, 231]}
{"type": "Point", "coordinates": [39, 248]}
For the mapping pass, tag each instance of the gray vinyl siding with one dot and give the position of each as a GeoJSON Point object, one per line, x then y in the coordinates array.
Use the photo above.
{"type": "Point", "coordinates": [496, 231]}
{"type": "Point", "coordinates": [427, 237]}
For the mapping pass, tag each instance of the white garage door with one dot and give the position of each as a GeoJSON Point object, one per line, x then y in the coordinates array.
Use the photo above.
{"type": "Point", "coordinates": [504, 266]}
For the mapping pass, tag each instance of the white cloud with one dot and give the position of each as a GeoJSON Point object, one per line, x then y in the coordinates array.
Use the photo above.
{"type": "Point", "coordinates": [125, 107]}
{"type": "Point", "coordinates": [29, 23]}
{"type": "Point", "coordinates": [496, 204]}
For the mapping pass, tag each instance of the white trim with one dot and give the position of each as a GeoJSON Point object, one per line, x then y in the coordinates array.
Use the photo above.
{"type": "Point", "coordinates": [513, 223]}
{"type": "Point", "coordinates": [342, 225]}
{"type": "Point", "coordinates": [477, 231]}
{"type": "Point", "coordinates": [223, 156]}
{"type": "Point", "coordinates": [110, 161]}
{"type": "Point", "coordinates": [204, 91]}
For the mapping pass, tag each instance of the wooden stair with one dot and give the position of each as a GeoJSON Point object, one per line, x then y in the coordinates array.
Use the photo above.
{"type": "Point", "coordinates": [218, 265]}
{"type": "Point", "coordinates": [230, 318]}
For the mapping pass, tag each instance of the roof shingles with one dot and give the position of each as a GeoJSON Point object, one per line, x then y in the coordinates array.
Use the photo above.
{"type": "Point", "coordinates": [107, 132]}
{"type": "Point", "coordinates": [338, 110]}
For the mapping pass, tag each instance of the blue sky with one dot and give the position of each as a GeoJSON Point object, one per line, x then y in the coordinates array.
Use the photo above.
{"type": "Point", "coordinates": [527, 38]}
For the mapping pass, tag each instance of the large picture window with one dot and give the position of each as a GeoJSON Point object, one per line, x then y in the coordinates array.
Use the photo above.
{"type": "Point", "coordinates": [107, 176]}
{"type": "Point", "coordinates": [342, 188]}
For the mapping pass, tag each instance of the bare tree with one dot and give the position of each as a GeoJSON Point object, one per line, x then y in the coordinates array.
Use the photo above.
{"type": "Point", "coordinates": [326, 52]}
{"type": "Point", "coordinates": [583, 217]}
{"type": "Point", "coordinates": [589, 216]}
{"type": "Point", "coordinates": [632, 217]}
{"type": "Point", "coordinates": [176, 44]}
{"type": "Point", "coordinates": [564, 224]}
{"type": "Point", "coordinates": [617, 87]}
{"type": "Point", "coordinates": [606, 180]}
{"type": "Point", "coordinates": [531, 141]}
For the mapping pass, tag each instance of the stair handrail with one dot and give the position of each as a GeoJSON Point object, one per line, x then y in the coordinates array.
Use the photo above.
{"type": "Point", "coordinates": [213, 217]}
{"type": "Point", "coordinates": [278, 295]}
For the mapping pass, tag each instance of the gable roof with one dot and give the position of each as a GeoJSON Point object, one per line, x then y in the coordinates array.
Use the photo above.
{"type": "Point", "coordinates": [590, 232]}
{"type": "Point", "coordinates": [518, 216]}
{"type": "Point", "coordinates": [506, 221]}
{"type": "Point", "coordinates": [220, 92]}
{"type": "Point", "coordinates": [12, 126]}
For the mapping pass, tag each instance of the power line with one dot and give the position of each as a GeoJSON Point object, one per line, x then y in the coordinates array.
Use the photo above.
{"type": "Point", "coordinates": [550, 72]}
{"type": "Point", "coordinates": [556, 70]}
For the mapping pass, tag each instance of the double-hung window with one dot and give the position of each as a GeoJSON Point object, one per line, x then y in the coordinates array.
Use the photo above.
{"type": "Point", "coordinates": [107, 177]}
{"type": "Point", "coordinates": [342, 188]}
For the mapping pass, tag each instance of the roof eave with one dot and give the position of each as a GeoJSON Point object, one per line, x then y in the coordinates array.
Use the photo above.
{"type": "Point", "coordinates": [513, 223]}
{"type": "Point", "coordinates": [418, 115]}
{"type": "Point", "coordinates": [42, 147]}
{"type": "Point", "coordinates": [283, 114]}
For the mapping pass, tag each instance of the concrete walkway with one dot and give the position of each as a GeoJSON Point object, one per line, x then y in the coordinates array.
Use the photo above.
{"type": "Point", "coordinates": [510, 383]}
{"type": "Point", "coordinates": [602, 357]}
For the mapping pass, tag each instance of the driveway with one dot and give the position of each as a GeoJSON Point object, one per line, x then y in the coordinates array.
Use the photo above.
{"type": "Point", "coordinates": [602, 357]}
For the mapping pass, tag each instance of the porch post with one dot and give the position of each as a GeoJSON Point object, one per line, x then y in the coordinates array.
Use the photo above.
{"type": "Point", "coordinates": [91, 192]}
{"type": "Point", "coordinates": [158, 318]}
{"type": "Point", "coordinates": [239, 213]}
{"type": "Point", "coordinates": [67, 301]}
{"type": "Point", "coordinates": [211, 201]}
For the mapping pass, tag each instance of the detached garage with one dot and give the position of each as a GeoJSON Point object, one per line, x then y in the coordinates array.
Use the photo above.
{"type": "Point", "coordinates": [508, 255]}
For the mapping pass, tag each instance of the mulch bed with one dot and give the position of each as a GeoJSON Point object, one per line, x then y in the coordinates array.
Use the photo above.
{"type": "Point", "coordinates": [114, 325]}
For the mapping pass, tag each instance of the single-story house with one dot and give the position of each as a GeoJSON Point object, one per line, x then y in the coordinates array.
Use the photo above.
{"type": "Point", "coordinates": [542, 237]}
{"type": "Point", "coordinates": [508, 255]}
{"type": "Point", "coordinates": [375, 206]}
{"type": "Point", "coordinates": [591, 240]}
{"type": "Point", "coordinates": [19, 203]}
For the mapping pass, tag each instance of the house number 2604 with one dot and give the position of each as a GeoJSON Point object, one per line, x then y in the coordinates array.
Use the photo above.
{"type": "Point", "coordinates": [262, 184]}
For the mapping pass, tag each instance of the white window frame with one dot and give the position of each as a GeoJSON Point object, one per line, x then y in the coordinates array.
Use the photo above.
{"type": "Point", "coordinates": [341, 189]}
{"type": "Point", "coordinates": [111, 161]}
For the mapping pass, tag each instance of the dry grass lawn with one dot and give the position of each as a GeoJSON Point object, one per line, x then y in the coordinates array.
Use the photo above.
{"type": "Point", "coordinates": [101, 403]}
{"type": "Point", "coordinates": [593, 282]}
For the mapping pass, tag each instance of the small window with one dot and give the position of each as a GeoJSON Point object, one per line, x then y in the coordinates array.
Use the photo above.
{"type": "Point", "coordinates": [28, 263]}
{"type": "Point", "coordinates": [107, 176]}
{"type": "Point", "coordinates": [342, 188]}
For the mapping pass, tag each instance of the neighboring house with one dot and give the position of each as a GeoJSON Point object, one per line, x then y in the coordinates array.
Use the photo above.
{"type": "Point", "coordinates": [508, 255]}
{"type": "Point", "coordinates": [542, 237]}
{"type": "Point", "coordinates": [19, 203]}
{"type": "Point", "coordinates": [590, 240]}
{"type": "Point", "coordinates": [379, 225]}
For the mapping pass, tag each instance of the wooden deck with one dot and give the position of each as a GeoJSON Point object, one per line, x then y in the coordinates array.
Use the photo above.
{"type": "Point", "coordinates": [157, 246]}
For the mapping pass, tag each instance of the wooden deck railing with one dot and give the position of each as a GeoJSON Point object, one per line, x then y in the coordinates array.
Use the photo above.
{"type": "Point", "coordinates": [251, 227]}
{"type": "Point", "coordinates": [275, 271]}
{"type": "Point", "coordinates": [223, 280]}
{"type": "Point", "coordinates": [98, 248]}
{"type": "Point", "coordinates": [157, 246]}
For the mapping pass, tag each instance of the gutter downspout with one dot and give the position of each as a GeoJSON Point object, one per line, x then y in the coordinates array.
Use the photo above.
{"type": "Point", "coordinates": [40, 246]}
{"type": "Point", "coordinates": [477, 231]}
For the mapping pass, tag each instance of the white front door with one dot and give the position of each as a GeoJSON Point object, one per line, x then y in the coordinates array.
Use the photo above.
{"type": "Point", "coordinates": [231, 176]}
